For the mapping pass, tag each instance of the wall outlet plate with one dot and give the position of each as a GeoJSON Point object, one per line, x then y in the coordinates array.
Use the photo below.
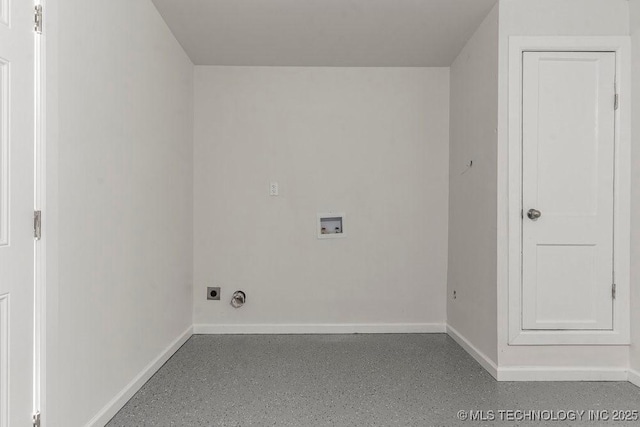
{"type": "Point", "coordinates": [213, 293]}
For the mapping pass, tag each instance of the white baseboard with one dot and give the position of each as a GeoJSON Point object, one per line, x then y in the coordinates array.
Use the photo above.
{"type": "Point", "coordinates": [322, 328]}
{"type": "Point", "coordinates": [112, 408]}
{"type": "Point", "coordinates": [561, 373]}
{"type": "Point", "coordinates": [537, 373]}
{"type": "Point", "coordinates": [484, 360]}
{"type": "Point", "coordinates": [634, 377]}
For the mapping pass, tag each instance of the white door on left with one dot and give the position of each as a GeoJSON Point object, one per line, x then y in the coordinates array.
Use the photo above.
{"type": "Point", "coordinates": [16, 211]}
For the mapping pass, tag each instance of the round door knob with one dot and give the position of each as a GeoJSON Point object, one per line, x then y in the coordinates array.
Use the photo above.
{"type": "Point", "coordinates": [534, 214]}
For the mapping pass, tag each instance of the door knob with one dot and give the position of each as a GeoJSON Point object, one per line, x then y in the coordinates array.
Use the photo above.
{"type": "Point", "coordinates": [534, 214]}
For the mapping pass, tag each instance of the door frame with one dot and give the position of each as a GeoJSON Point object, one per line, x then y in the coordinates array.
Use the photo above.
{"type": "Point", "coordinates": [39, 252]}
{"type": "Point", "coordinates": [620, 335]}
{"type": "Point", "coordinates": [43, 317]}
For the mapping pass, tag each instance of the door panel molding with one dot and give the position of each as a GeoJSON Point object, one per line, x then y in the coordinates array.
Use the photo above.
{"type": "Point", "coordinates": [4, 12]}
{"type": "Point", "coordinates": [4, 360]}
{"type": "Point", "coordinates": [621, 304]}
{"type": "Point", "coordinates": [4, 152]}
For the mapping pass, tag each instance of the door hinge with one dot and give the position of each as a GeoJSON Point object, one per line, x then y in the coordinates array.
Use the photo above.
{"type": "Point", "coordinates": [36, 419]}
{"type": "Point", "coordinates": [37, 225]}
{"type": "Point", "coordinates": [38, 19]}
{"type": "Point", "coordinates": [616, 102]}
{"type": "Point", "coordinates": [613, 291]}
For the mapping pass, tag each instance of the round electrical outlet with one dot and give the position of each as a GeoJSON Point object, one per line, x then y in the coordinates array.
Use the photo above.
{"type": "Point", "coordinates": [213, 293]}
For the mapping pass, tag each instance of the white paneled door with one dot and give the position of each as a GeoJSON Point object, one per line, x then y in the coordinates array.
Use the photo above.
{"type": "Point", "coordinates": [16, 211]}
{"type": "Point", "coordinates": [568, 190]}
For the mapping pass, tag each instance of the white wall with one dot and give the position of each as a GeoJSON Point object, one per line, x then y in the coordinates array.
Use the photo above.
{"type": "Point", "coordinates": [122, 162]}
{"type": "Point", "coordinates": [546, 18]}
{"type": "Point", "coordinates": [370, 142]}
{"type": "Point", "coordinates": [635, 197]}
{"type": "Point", "coordinates": [473, 194]}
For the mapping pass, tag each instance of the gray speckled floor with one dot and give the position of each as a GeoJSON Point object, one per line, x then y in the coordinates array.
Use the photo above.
{"type": "Point", "coordinates": [345, 380]}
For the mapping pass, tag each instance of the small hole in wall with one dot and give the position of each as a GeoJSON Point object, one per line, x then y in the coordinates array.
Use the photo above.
{"type": "Point", "coordinates": [214, 294]}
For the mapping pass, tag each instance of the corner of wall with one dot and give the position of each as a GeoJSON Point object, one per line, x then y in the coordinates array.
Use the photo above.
{"type": "Point", "coordinates": [471, 279]}
{"type": "Point", "coordinates": [141, 128]}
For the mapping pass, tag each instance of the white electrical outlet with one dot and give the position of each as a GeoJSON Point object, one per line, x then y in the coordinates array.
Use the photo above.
{"type": "Point", "coordinates": [273, 189]}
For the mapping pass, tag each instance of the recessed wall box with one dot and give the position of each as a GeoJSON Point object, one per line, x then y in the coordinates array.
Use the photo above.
{"type": "Point", "coordinates": [213, 293]}
{"type": "Point", "coordinates": [331, 225]}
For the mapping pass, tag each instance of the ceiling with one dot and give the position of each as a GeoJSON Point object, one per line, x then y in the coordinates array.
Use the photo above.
{"type": "Point", "coordinates": [379, 33]}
